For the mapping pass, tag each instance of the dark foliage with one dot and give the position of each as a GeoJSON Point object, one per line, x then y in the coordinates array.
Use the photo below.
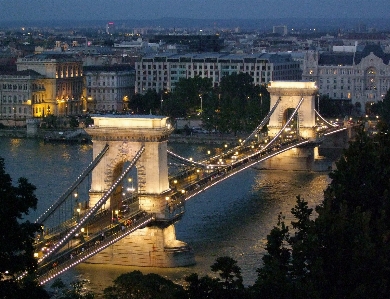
{"type": "Point", "coordinates": [17, 238]}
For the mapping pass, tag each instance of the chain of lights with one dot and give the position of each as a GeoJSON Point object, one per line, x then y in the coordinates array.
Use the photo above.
{"type": "Point", "coordinates": [94, 208]}
{"type": "Point", "coordinates": [263, 122]}
{"type": "Point", "coordinates": [80, 178]}
{"type": "Point", "coordinates": [92, 251]}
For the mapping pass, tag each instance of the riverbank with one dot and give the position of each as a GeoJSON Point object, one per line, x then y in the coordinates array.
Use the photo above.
{"type": "Point", "coordinates": [70, 135]}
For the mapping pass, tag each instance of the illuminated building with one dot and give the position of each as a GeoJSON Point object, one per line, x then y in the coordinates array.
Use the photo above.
{"type": "Point", "coordinates": [61, 86]}
{"type": "Point", "coordinates": [16, 91]}
{"type": "Point", "coordinates": [356, 76]}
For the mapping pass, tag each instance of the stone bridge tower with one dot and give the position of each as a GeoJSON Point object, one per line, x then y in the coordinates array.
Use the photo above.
{"type": "Point", "coordinates": [125, 135]}
{"type": "Point", "coordinates": [290, 93]}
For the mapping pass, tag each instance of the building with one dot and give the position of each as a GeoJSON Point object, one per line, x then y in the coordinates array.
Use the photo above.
{"type": "Point", "coordinates": [162, 71]}
{"type": "Point", "coordinates": [17, 89]}
{"type": "Point", "coordinates": [108, 88]}
{"type": "Point", "coordinates": [110, 28]}
{"type": "Point", "coordinates": [280, 30]}
{"type": "Point", "coordinates": [60, 89]}
{"type": "Point", "coordinates": [195, 43]}
{"type": "Point", "coordinates": [361, 76]}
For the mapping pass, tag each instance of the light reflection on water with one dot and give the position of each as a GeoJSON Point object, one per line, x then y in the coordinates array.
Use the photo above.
{"type": "Point", "coordinates": [231, 219]}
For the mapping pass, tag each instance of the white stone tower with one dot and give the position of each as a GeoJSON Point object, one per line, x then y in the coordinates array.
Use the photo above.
{"type": "Point", "coordinates": [152, 246]}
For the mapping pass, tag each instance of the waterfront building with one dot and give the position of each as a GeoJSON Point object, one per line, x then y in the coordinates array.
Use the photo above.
{"type": "Point", "coordinates": [359, 76]}
{"type": "Point", "coordinates": [162, 71]}
{"type": "Point", "coordinates": [60, 89]}
{"type": "Point", "coordinates": [17, 89]}
{"type": "Point", "coordinates": [109, 88]}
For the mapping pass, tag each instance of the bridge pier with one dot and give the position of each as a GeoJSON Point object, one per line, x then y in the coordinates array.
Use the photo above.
{"type": "Point", "coordinates": [147, 247]}
{"type": "Point", "coordinates": [304, 158]}
{"type": "Point", "coordinates": [32, 127]}
{"type": "Point", "coordinates": [153, 246]}
{"type": "Point", "coordinates": [302, 125]}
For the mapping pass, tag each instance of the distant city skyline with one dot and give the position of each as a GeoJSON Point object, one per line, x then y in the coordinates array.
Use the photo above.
{"type": "Point", "coordinates": [41, 10]}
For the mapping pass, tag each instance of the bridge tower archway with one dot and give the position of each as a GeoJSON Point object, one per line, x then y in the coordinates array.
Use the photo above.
{"type": "Point", "coordinates": [153, 246]}
{"type": "Point", "coordinates": [125, 137]}
{"type": "Point", "coordinates": [290, 94]}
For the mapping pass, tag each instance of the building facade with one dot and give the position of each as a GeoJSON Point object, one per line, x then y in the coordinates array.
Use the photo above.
{"type": "Point", "coordinates": [17, 89]}
{"type": "Point", "coordinates": [60, 89]}
{"type": "Point", "coordinates": [162, 71]}
{"type": "Point", "coordinates": [108, 88]}
{"type": "Point", "coordinates": [360, 77]}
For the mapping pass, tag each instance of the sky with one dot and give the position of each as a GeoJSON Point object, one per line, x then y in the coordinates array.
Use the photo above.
{"type": "Point", "coordinates": [40, 10]}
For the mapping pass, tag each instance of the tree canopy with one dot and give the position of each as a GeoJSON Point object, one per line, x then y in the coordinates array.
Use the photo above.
{"type": "Point", "coordinates": [344, 252]}
{"type": "Point", "coordinates": [135, 285]}
{"type": "Point", "coordinates": [17, 238]}
{"type": "Point", "coordinates": [236, 105]}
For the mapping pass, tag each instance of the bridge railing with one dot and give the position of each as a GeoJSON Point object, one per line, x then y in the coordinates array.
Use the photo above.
{"type": "Point", "coordinates": [42, 218]}
{"type": "Point", "coordinates": [93, 209]}
{"type": "Point", "coordinates": [227, 171]}
{"type": "Point", "coordinates": [263, 122]}
{"type": "Point", "coordinates": [67, 259]}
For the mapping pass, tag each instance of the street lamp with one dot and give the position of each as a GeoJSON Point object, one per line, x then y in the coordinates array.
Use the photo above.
{"type": "Point", "coordinates": [132, 185]}
{"type": "Point", "coordinates": [162, 99]}
{"type": "Point", "coordinates": [261, 105]}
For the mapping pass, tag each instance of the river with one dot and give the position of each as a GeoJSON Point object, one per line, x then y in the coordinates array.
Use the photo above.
{"type": "Point", "coordinates": [231, 219]}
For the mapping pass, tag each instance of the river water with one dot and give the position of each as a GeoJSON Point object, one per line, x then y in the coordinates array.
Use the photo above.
{"type": "Point", "coordinates": [230, 219]}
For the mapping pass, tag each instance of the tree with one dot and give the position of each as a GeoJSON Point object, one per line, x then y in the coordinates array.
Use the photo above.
{"type": "Point", "coordinates": [138, 286]}
{"type": "Point", "coordinates": [229, 285]}
{"type": "Point", "coordinates": [384, 110]}
{"type": "Point", "coordinates": [272, 281]}
{"type": "Point", "coordinates": [352, 225]}
{"type": "Point", "coordinates": [76, 290]}
{"type": "Point", "coordinates": [191, 92]}
{"type": "Point", "coordinates": [51, 121]}
{"type": "Point", "coordinates": [73, 123]}
{"type": "Point", "coordinates": [201, 288]}
{"type": "Point", "coordinates": [231, 279]}
{"type": "Point", "coordinates": [88, 121]}
{"type": "Point", "coordinates": [229, 272]}
{"type": "Point", "coordinates": [241, 103]}
{"type": "Point", "coordinates": [344, 252]}
{"type": "Point", "coordinates": [17, 238]}
{"type": "Point", "coordinates": [145, 103]}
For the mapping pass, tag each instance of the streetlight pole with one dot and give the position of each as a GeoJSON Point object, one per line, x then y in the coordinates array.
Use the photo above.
{"type": "Point", "coordinates": [261, 105]}
{"type": "Point", "coordinates": [201, 104]}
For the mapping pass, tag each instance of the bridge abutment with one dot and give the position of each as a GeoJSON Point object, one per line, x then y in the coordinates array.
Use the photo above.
{"type": "Point", "coordinates": [305, 158]}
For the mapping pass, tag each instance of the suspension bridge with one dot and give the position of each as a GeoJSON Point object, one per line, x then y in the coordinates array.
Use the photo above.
{"type": "Point", "coordinates": [104, 219]}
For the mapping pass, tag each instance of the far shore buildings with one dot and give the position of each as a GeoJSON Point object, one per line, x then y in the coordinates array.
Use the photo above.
{"type": "Point", "coordinates": [108, 88]}
{"type": "Point", "coordinates": [360, 75]}
{"type": "Point", "coordinates": [162, 71]}
{"type": "Point", "coordinates": [43, 84]}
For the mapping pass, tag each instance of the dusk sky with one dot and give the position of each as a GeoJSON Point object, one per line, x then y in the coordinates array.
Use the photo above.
{"type": "Point", "coordinates": [19, 10]}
